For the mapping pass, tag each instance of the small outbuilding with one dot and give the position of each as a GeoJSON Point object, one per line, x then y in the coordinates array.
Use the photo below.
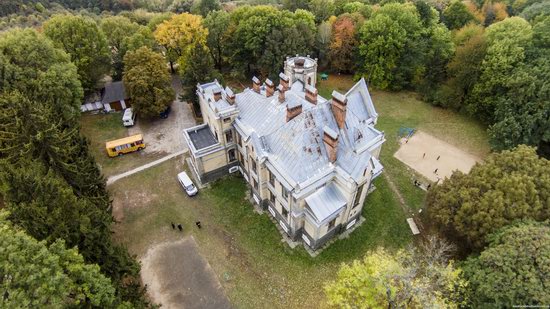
{"type": "Point", "coordinates": [114, 97]}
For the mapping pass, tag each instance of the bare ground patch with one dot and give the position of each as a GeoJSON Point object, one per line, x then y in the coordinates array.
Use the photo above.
{"type": "Point", "coordinates": [177, 276]}
{"type": "Point", "coordinates": [434, 158]}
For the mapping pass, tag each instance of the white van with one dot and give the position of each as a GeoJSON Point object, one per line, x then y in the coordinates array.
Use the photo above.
{"type": "Point", "coordinates": [129, 117]}
{"type": "Point", "coordinates": [187, 184]}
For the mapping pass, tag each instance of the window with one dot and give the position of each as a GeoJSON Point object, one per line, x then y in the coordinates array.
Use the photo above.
{"type": "Point", "coordinates": [271, 197]}
{"type": "Point", "coordinates": [331, 224]}
{"type": "Point", "coordinates": [231, 155]}
{"type": "Point", "coordinates": [229, 136]}
{"type": "Point", "coordinates": [255, 184]}
{"type": "Point", "coordinates": [227, 120]}
{"type": "Point", "coordinates": [254, 166]}
{"type": "Point", "coordinates": [358, 196]}
{"type": "Point", "coordinates": [239, 140]}
{"type": "Point", "coordinates": [285, 213]}
{"type": "Point", "coordinates": [271, 179]}
{"type": "Point", "coordinates": [284, 191]}
{"type": "Point", "coordinates": [216, 134]}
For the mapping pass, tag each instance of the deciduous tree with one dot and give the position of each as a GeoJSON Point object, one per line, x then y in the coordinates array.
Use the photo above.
{"type": "Point", "coordinates": [344, 44]}
{"type": "Point", "coordinates": [179, 33]}
{"type": "Point", "coordinates": [85, 43]}
{"type": "Point", "coordinates": [217, 23]}
{"type": "Point", "coordinates": [457, 15]}
{"type": "Point", "coordinates": [147, 81]}
{"type": "Point", "coordinates": [511, 185]}
{"type": "Point", "coordinates": [513, 269]}
{"type": "Point", "coordinates": [408, 278]}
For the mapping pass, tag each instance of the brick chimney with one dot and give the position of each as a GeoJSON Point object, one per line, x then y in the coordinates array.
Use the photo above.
{"type": "Point", "coordinates": [330, 139]}
{"type": "Point", "coordinates": [282, 97]}
{"type": "Point", "coordinates": [256, 84]}
{"type": "Point", "coordinates": [311, 94]}
{"type": "Point", "coordinates": [217, 92]}
{"type": "Point", "coordinates": [229, 96]}
{"type": "Point", "coordinates": [339, 105]}
{"type": "Point", "coordinates": [270, 87]}
{"type": "Point", "coordinates": [284, 81]}
{"type": "Point", "coordinates": [292, 110]}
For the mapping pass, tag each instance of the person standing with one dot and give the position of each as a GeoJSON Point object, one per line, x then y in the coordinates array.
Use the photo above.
{"type": "Point", "coordinates": [180, 227]}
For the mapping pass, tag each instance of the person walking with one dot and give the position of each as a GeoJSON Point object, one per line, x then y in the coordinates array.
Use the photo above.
{"type": "Point", "coordinates": [198, 223]}
{"type": "Point", "coordinates": [424, 156]}
{"type": "Point", "coordinates": [173, 225]}
{"type": "Point", "coordinates": [180, 227]}
{"type": "Point", "coordinates": [438, 158]}
{"type": "Point", "coordinates": [435, 172]}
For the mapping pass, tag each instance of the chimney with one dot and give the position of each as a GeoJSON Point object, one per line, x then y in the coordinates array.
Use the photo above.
{"type": "Point", "coordinates": [217, 94]}
{"type": "Point", "coordinates": [339, 105]}
{"type": "Point", "coordinates": [284, 81]}
{"type": "Point", "coordinates": [229, 96]}
{"type": "Point", "coordinates": [281, 93]}
{"type": "Point", "coordinates": [270, 87]}
{"type": "Point", "coordinates": [292, 110]}
{"type": "Point", "coordinates": [330, 139]}
{"type": "Point", "coordinates": [311, 94]}
{"type": "Point", "coordinates": [256, 84]}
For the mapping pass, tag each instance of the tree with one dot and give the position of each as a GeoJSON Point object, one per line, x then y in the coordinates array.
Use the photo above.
{"type": "Point", "coordinates": [35, 274]}
{"type": "Point", "coordinates": [87, 46]}
{"type": "Point", "coordinates": [293, 5]}
{"type": "Point", "coordinates": [217, 23]}
{"type": "Point", "coordinates": [457, 15]}
{"type": "Point", "coordinates": [206, 6]}
{"type": "Point", "coordinates": [263, 36]}
{"type": "Point", "coordinates": [147, 82]}
{"type": "Point", "coordinates": [464, 68]}
{"type": "Point", "coordinates": [511, 185]}
{"type": "Point", "coordinates": [392, 34]}
{"type": "Point", "coordinates": [406, 279]}
{"type": "Point", "coordinates": [358, 7]}
{"type": "Point", "coordinates": [123, 35]}
{"type": "Point", "coordinates": [198, 68]}
{"type": "Point", "coordinates": [513, 269]}
{"type": "Point", "coordinates": [321, 9]}
{"type": "Point", "coordinates": [324, 36]}
{"type": "Point", "coordinates": [343, 44]}
{"type": "Point", "coordinates": [32, 65]}
{"type": "Point", "coordinates": [179, 33]}
{"type": "Point", "coordinates": [507, 42]}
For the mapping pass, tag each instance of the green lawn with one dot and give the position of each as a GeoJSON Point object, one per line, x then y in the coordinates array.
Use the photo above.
{"type": "Point", "coordinates": [100, 128]}
{"type": "Point", "coordinates": [244, 248]}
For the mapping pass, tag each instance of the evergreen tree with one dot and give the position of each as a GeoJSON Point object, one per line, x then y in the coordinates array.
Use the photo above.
{"type": "Point", "coordinates": [197, 68]}
{"type": "Point", "coordinates": [38, 275]}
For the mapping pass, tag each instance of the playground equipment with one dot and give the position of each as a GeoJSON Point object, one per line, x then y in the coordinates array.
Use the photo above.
{"type": "Point", "coordinates": [405, 133]}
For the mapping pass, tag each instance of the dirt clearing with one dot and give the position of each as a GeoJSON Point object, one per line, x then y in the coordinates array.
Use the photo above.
{"type": "Point", "coordinates": [434, 158]}
{"type": "Point", "coordinates": [177, 276]}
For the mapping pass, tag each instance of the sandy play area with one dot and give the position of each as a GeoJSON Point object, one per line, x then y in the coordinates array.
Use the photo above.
{"type": "Point", "coordinates": [177, 276]}
{"type": "Point", "coordinates": [421, 153]}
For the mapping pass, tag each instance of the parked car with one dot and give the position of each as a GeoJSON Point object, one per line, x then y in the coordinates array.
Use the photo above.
{"type": "Point", "coordinates": [164, 114]}
{"type": "Point", "coordinates": [129, 117]}
{"type": "Point", "coordinates": [187, 184]}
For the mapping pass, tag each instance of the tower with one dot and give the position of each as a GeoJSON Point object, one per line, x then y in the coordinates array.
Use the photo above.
{"type": "Point", "coordinates": [301, 68]}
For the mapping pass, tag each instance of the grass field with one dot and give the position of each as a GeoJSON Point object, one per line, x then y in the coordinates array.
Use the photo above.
{"type": "Point", "coordinates": [244, 248]}
{"type": "Point", "coordinates": [101, 128]}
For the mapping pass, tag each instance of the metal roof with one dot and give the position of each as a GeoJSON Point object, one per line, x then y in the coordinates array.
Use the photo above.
{"type": "Point", "coordinates": [297, 147]}
{"type": "Point", "coordinates": [326, 202]}
{"type": "Point", "coordinates": [114, 92]}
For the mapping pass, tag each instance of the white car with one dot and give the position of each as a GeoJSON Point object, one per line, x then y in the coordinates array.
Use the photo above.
{"type": "Point", "coordinates": [129, 117]}
{"type": "Point", "coordinates": [187, 184]}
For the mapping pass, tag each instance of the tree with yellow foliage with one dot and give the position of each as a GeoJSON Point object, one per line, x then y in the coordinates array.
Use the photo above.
{"type": "Point", "coordinates": [179, 34]}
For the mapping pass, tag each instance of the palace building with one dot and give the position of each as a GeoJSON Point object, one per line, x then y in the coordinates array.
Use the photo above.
{"type": "Point", "coordinates": [309, 161]}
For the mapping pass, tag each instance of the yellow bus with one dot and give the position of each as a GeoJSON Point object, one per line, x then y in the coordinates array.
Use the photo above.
{"type": "Point", "coordinates": [125, 145]}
